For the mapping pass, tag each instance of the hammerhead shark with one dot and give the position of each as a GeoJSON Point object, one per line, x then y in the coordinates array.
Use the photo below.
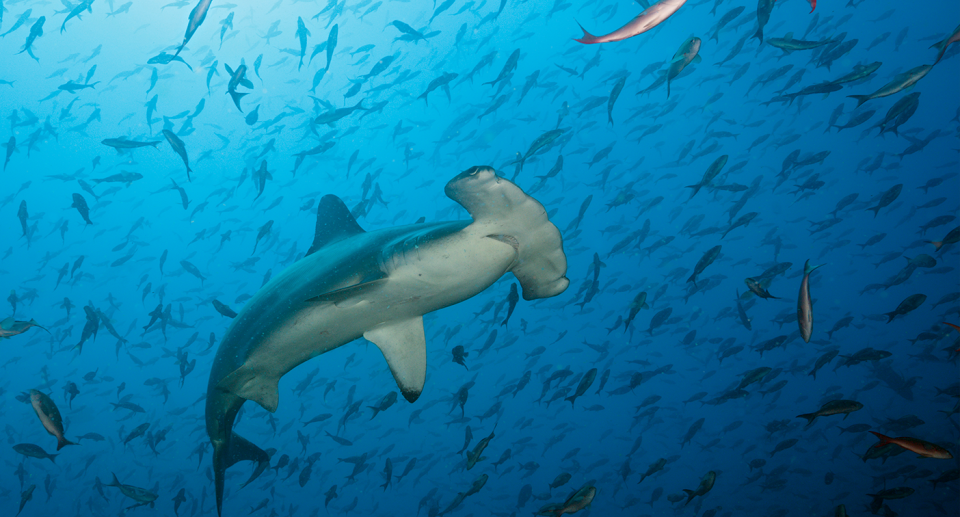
{"type": "Point", "coordinates": [376, 285]}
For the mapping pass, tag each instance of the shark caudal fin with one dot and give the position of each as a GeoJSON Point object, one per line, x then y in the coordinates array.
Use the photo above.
{"type": "Point", "coordinates": [506, 213]}
{"type": "Point", "coordinates": [226, 454]}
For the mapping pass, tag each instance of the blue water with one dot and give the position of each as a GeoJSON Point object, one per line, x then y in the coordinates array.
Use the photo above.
{"type": "Point", "coordinates": [405, 154]}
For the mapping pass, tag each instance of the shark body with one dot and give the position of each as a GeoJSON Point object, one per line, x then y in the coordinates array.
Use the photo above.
{"type": "Point", "coordinates": [376, 285]}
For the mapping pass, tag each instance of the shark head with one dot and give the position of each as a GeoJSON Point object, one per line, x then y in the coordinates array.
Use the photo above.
{"type": "Point", "coordinates": [505, 212]}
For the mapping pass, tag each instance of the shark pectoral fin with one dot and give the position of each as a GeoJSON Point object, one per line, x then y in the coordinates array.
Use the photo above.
{"type": "Point", "coordinates": [405, 348]}
{"type": "Point", "coordinates": [247, 383]}
{"type": "Point", "coordinates": [341, 296]}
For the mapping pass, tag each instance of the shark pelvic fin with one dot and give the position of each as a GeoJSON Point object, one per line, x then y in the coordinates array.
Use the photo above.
{"type": "Point", "coordinates": [247, 383]}
{"type": "Point", "coordinates": [334, 223]}
{"type": "Point", "coordinates": [405, 349]}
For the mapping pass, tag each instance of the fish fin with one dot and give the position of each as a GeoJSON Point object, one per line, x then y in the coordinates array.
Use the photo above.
{"type": "Point", "coordinates": [696, 59]}
{"type": "Point", "coordinates": [334, 223]}
{"type": "Point", "coordinates": [405, 348]}
{"type": "Point", "coordinates": [236, 96]}
{"type": "Point", "coordinates": [860, 99]}
{"type": "Point", "coordinates": [587, 38]}
{"type": "Point", "coordinates": [7, 323]}
{"type": "Point", "coordinates": [497, 204]}
{"type": "Point", "coordinates": [807, 269]}
{"type": "Point", "coordinates": [247, 82]}
{"type": "Point", "coordinates": [809, 416]}
{"type": "Point", "coordinates": [63, 442]}
{"type": "Point", "coordinates": [247, 383]}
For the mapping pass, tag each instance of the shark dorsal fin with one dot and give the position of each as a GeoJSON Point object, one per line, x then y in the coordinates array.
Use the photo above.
{"type": "Point", "coordinates": [334, 223]}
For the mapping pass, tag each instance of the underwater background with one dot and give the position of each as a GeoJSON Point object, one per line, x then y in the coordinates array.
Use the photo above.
{"type": "Point", "coordinates": [712, 386]}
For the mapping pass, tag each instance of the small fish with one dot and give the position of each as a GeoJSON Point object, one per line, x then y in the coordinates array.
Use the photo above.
{"type": "Point", "coordinates": [923, 448]}
{"type": "Point", "coordinates": [648, 19]}
{"type": "Point", "coordinates": [179, 148]}
{"type": "Point", "coordinates": [805, 304]}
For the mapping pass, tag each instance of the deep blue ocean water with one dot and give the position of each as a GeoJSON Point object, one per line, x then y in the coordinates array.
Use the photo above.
{"type": "Point", "coordinates": [390, 166]}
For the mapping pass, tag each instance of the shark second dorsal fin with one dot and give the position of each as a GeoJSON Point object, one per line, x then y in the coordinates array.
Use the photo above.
{"type": "Point", "coordinates": [405, 349]}
{"type": "Point", "coordinates": [334, 223]}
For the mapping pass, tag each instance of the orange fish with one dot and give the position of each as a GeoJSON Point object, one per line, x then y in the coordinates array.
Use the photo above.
{"type": "Point", "coordinates": [924, 449]}
{"type": "Point", "coordinates": [954, 326]}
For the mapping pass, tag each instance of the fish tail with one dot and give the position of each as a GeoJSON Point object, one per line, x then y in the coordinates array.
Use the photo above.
{"type": "Point", "coordinates": [890, 316]}
{"type": "Point", "coordinates": [860, 99]}
{"type": "Point", "coordinates": [883, 439]}
{"type": "Point", "coordinates": [759, 34]}
{"type": "Point", "coordinates": [937, 244]}
{"type": "Point", "coordinates": [63, 442]}
{"type": "Point", "coordinates": [236, 96]}
{"type": "Point", "coordinates": [587, 38]}
{"type": "Point", "coordinates": [807, 269]}
{"type": "Point", "coordinates": [809, 416]}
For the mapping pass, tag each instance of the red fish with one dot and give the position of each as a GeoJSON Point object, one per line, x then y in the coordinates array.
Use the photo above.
{"type": "Point", "coordinates": [954, 326]}
{"type": "Point", "coordinates": [648, 19]}
{"type": "Point", "coordinates": [923, 448]}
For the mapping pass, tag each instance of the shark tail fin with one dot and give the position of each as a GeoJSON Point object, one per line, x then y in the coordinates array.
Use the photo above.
{"type": "Point", "coordinates": [226, 454]}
